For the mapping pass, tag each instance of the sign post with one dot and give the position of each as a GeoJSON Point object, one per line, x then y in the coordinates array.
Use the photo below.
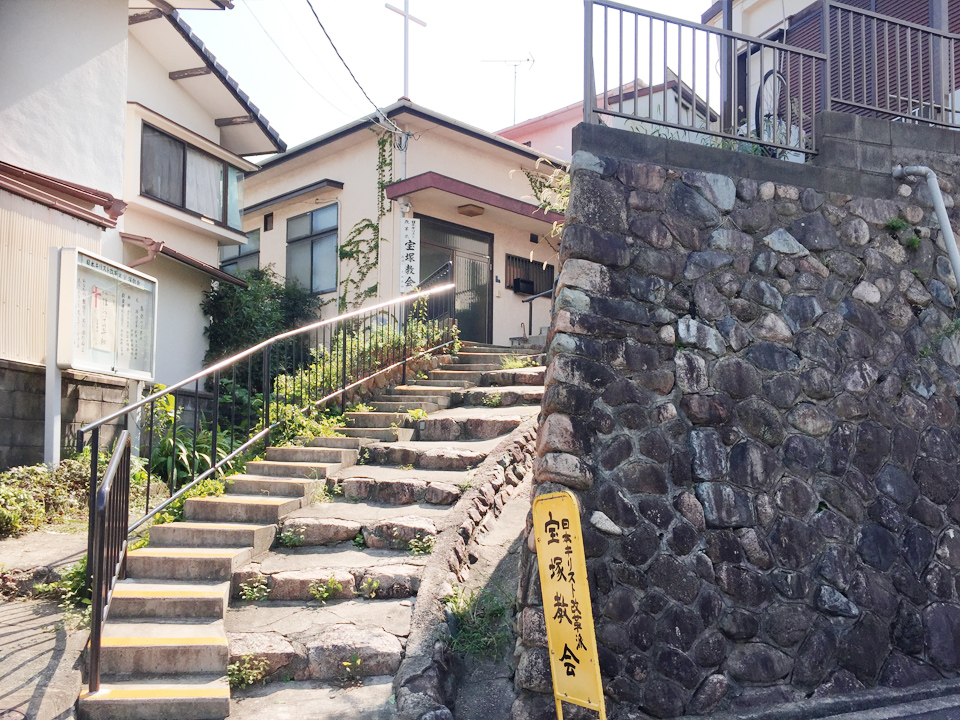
{"type": "Point", "coordinates": [102, 318]}
{"type": "Point", "coordinates": [574, 662]}
{"type": "Point", "coordinates": [409, 254]}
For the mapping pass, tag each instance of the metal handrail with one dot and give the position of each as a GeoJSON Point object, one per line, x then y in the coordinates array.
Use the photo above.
{"type": "Point", "coordinates": [306, 369]}
{"type": "Point", "coordinates": [784, 78]}
{"type": "Point", "coordinates": [108, 526]}
{"type": "Point", "coordinates": [530, 300]}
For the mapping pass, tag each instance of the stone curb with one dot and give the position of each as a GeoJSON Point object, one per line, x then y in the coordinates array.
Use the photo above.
{"type": "Point", "coordinates": [853, 702]}
{"type": "Point", "coordinates": [420, 682]}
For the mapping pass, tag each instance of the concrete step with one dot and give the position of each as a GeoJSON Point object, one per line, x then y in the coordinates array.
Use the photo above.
{"type": "Point", "coordinates": [456, 384]}
{"type": "Point", "coordinates": [510, 395]}
{"type": "Point", "coordinates": [311, 455]}
{"type": "Point", "coordinates": [468, 428]}
{"type": "Point", "coordinates": [472, 347]}
{"type": "Point", "coordinates": [534, 375]}
{"type": "Point", "coordinates": [399, 491]}
{"type": "Point", "coordinates": [190, 563]}
{"type": "Point", "coordinates": [242, 508]}
{"type": "Point", "coordinates": [402, 407]}
{"type": "Point", "coordinates": [342, 443]}
{"type": "Point", "coordinates": [209, 534]}
{"type": "Point", "coordinates": [184, 697]}
{"type": "Point", "coordinates": [396, 580]}
{"type": "Point", "coordinates": [469, 367]}
{"type": "Point", "coordinates": [163, 647]}
{"type": "Point", "coordinates": [447, 458]}
{"type": "Point", "coordinates": [472, 376]}
{"type": "Point", "coordinates": [269, 486]}
{"type": "Point", "coordinates": [380, 434]}
{"type": "Point", "coordinates": [168, 599]}
{"type": "Point", "coordinates": [303, 470]}
{"type": "Point", "coordinates": [442, 400]}
{"type": "Point", "coordinates": [375, 419]}
{"type": "Point", "coordinates": [468, 358]}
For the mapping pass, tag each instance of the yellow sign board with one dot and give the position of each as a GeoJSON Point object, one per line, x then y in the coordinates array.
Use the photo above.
{"type": "Point", "coordinates": [566, 603]}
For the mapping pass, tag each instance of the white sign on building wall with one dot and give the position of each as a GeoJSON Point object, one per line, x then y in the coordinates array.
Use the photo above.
{"type": "Point", "coordinates": [107, 317]}
{"type": "Point", "coordinates": [409, 254]}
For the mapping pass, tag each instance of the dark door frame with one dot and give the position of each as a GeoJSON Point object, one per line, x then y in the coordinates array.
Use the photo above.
{"type": "Point", "coordinates": [474, 234]}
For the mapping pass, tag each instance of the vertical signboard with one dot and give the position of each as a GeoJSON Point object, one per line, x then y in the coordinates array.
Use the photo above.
{"type": "Point", "coordinates": [409, 254]}
{"type": "Point", "coordinates": [566, 603]}
{"type": "Point", "coordinates": [107, 317]}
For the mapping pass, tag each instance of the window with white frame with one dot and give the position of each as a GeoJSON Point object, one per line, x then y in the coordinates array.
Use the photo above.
{"type": "Point", "coordinates": [234, 259]}
{"type": "Point", "coordinates": [175, 173]}
{"type": "Point", "coordinates": [312, 249]}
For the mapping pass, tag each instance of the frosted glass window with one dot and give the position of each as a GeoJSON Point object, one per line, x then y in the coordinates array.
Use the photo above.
{"type": "Point", "coordinates": [298, 227]}
{"type": "Point", "coordinates": [161, 166]}
{"type": "Point", "coordinates": [325, 264]}
{"type": "Point", "coordinates": [234, 197]}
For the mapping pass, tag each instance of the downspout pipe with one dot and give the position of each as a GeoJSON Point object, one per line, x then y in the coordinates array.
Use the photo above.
{"type": "Point", "coordinates": [902, 173]}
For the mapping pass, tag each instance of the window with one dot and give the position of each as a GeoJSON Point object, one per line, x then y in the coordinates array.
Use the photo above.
{"type": "Point", "coordinates": [268, 222]}
{"type": "Point", "coordinates": [180, 175]}
{"type": "Point", "coordinates": [236, 258]}
{"type": "Point", "coordinates": [518, 268]}
{"type": "Point", "coordinates": [312, 249]}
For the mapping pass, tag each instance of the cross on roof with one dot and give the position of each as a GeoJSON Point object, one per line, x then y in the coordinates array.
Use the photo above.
{"type": "Point", "coordinates": [407, 17]}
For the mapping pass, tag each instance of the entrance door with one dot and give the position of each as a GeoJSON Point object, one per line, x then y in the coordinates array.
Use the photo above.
{"type": "Point", "coordinates": [469, 250]}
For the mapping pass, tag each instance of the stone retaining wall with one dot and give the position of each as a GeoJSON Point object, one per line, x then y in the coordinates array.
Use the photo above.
{"type": "Point", "coordinates": [85, 398]}
{"type": "Point", "coordinates": [421, 684]}
{"type": "Point", "coordinates": [752, 392]}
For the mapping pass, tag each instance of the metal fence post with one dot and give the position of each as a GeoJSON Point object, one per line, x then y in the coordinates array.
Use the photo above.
{"type": "Point", "coordinates": [589, 84]}
{"type": "Point", "coordinates": [825, 82]}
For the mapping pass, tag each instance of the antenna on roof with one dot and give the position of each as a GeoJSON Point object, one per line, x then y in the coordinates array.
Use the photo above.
{"type": "Point", "coordinates": [515, 64]}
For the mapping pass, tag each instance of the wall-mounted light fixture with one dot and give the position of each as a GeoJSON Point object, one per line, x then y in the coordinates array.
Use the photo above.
{"type": "Point", "coordinates": [470, 210]}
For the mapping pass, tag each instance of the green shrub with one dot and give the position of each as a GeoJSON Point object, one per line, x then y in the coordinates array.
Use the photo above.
{"type": "Point", "coordinates": [71, 593]}
{"type": "Point", "coordinates": [20, 511]}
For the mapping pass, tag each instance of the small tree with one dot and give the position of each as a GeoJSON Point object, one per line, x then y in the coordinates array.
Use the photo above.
{"type": "Point", "coordinates": [242, 317]}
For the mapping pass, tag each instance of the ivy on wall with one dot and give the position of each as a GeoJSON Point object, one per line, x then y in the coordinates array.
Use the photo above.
{"type": "Point", "coordinates": [361, 247]}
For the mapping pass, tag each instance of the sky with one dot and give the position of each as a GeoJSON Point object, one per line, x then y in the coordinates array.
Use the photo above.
{"type": "Point", "coordinates": [459, 63]}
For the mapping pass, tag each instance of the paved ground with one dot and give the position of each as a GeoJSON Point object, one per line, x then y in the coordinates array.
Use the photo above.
{"type": "Point", "coordinates": [485, 687]}
{"type": "Point", "coordinates": [297, 700]}
{"type": "Point", "coordinates": [39, 669]}
{"type": "Point", "coordinates": [41, 549]}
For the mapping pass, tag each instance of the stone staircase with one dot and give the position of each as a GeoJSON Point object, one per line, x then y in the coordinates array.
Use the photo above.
{"type": "Point", "coordinates": [164, 650]}
{"type": "Point", "coordinates": [169, 637]}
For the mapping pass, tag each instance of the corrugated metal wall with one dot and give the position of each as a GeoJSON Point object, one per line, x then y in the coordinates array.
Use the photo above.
{"type": "Point", "coordinates": [27, 230]}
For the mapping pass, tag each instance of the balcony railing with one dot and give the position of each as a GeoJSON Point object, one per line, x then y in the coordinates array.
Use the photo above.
{"type": "Point", "coordinates": [660, 75]}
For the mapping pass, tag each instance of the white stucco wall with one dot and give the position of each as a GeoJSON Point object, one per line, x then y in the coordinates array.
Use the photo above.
{"type": "Point", "coordinates": [150, 85]}
{"type": "Point", "coordinates": [63, 87]}
{"type": "Point", "coordinates": [352, 161]}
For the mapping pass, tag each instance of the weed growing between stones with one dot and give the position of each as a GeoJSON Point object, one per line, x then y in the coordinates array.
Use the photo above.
{"type": "Point", "coordinates": [360, 407]}
{"type": "Point", "coordinates": [256, 588]}
{"type": "Point", "coordinates": [325, 493]}
{"type": "Point", "coordinates": [517, 362]}
{"type": "Point", "coordinates": [913, 243]}
{"type": "Point", "coordinates": [421, 545]}
{"type": "Point", "coordinates": [359, 542]}
{"type": "Point", "coordinates": [351, 672]}
{"type": "Point", "coordinates": [363, 456]}
{"type": "Point", "coordinates": [408, 466]}
{"type": "Point", "coordinates": [417, 414]}
{"type": "Point", "coordinates": [481, 627]}
{"type": "Point", "coordinates": [368, 589]}
{"type": "Point", "coordinates": [465, 485]}
{"type": "Point", "coordinates": [249, 669]}
{"type": "Point", "coordinates": [71, 592]}
{"type": "Point", "coordinates": [325, 590]}
{"type": "Point", "coordinates": [493, 400]}
{"type": "Point", "coordinates": [896, 224]}
{"type": "Point", "coordinates": [291, 537]}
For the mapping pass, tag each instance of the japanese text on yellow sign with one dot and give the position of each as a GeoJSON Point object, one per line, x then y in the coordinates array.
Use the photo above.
{"type": "Point", "coordinates": [566, 602]}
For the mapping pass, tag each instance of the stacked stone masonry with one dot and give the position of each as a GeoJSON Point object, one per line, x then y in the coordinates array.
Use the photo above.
{"type": "Point", "coordinates": [752, 393]}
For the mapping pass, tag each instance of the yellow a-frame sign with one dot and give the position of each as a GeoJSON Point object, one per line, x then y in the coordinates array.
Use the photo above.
{"type": "Point", "coordinates": [566, 603]}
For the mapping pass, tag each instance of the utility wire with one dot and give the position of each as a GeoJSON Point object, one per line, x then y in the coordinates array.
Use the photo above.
{"type": "Point", "coordinates": [291, 64]}
{"type": "Point", "coordinates": [379, 111]}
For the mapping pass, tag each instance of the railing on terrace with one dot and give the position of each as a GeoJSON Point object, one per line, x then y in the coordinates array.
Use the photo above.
{"type": "Point", "coordinates": [890, 68]}
{"type": "Point", "coordinates": [656, 71]}
{"type": "Point", "coordinates": [660, 75]}
{"type": "Point", "coordinates": [306, 370]}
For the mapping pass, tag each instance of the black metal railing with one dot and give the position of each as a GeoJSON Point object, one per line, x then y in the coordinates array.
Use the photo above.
{"type": "Point", "coordinates": [529, 301]}
{"type": "Point", "coordinates": [186, 439]}
{"type": "Point", "coordinates": [657, 74]}
{"type": "Point", "coordinates": [108, 534]}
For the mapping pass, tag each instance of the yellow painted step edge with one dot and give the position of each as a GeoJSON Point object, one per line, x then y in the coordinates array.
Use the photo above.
{"type": "Point", "coordinates": [183, 553]}
{"type": "Point", "coordinates": [158, 693]}
{"type": "Point", "coordinates": [158, 642]}
{"type": "Point", "coordinates": [134, 593]}
{"type": "Point", "coordinates": [265, 499]}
